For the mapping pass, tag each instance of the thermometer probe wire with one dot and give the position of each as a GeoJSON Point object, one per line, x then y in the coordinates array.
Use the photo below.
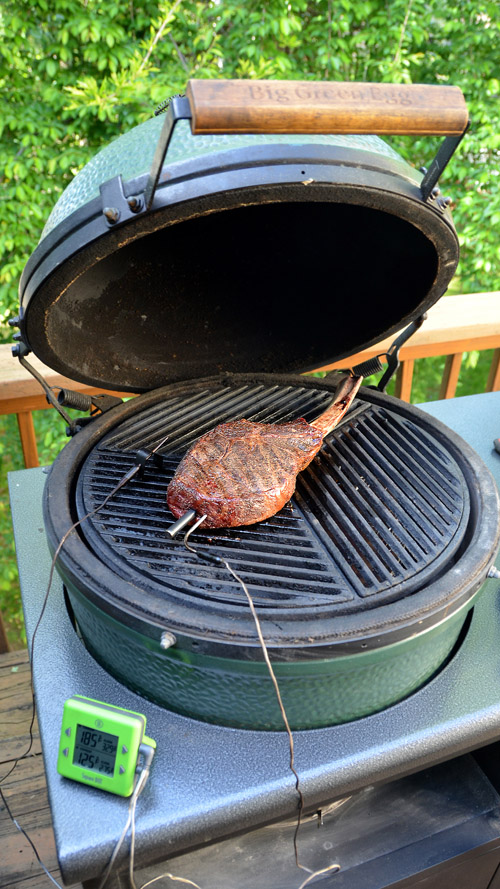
{"type": "Point", "coordinates": [123, 481]}
{"type": "Point", "coordinates": [218, 560]}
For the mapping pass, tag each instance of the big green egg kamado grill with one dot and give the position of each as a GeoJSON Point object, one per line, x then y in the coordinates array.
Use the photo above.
{"type": "Point", "coordinates": [208, 271]}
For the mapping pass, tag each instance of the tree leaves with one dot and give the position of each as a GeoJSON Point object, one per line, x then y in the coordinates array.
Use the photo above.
{"type": "Point", "coordinates": [75, 74]}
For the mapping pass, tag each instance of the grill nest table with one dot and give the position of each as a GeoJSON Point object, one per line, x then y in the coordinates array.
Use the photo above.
{"type": "Point", "coordinates": [208, 781]}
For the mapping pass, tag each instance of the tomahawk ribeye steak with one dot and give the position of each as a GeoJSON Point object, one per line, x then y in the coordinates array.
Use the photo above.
{"type": "Point", "coordinates": [243, 472]}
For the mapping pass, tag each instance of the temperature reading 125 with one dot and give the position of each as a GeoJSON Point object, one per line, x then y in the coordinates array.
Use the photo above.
{"type": "Point", "coordinates": [100, 744]}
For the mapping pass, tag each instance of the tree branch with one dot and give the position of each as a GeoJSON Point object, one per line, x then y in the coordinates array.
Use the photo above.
{"type": "Point", "coordinates": [397, 55]}
{"type": "Point", "coordinates": [182, 57]}
{"type": "Point", "coordinates": [159, 34]}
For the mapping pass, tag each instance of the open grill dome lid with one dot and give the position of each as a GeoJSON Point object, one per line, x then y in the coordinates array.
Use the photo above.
{"type": "Point", "coordinates": [262, 235]}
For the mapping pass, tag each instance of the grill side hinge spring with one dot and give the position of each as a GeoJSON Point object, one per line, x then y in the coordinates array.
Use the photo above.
{"type": "Point", "coordinates": [368, 368]}
{"type": "Point", "coordinates": [392, 356]}
{"type": "Point", "coordinates": [374, 365]}
{"type": "Point", "coordinates": [96, 404]}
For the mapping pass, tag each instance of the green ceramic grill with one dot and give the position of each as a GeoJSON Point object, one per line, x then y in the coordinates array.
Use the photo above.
{"type": "Point", "coordinates": [207, 259]}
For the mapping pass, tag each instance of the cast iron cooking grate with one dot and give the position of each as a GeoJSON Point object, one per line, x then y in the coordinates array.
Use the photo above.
{"type": "Point", "coordinates": [381, 509]}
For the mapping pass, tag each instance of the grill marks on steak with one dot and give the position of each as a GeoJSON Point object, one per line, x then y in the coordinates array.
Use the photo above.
{"type": "Point", "coordinates": [244, 472]}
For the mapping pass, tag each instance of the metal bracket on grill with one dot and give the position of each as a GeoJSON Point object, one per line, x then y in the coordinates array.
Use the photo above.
{"type": "Point", "coordinates": [22, 347]}
{"type": "Point", "coordinates": [66, 397]}
{"type": "Point", "coordinates": [117, 207]}
{"type": "Point", "coordinates": [392, 355]}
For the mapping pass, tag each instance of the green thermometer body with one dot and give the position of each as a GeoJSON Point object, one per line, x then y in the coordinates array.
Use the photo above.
{"type": "Point", "coordinates": [100, 744]}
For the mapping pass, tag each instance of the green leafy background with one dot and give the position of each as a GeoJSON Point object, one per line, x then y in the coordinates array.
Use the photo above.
{"type": "Point", "coordinates": [74, 74]}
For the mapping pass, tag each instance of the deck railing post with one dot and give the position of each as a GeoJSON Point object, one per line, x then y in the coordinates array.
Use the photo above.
{"type": "Point", "coordinates": [28, 439]}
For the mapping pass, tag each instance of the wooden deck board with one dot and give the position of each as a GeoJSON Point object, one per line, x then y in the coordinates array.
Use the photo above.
{"type": "Point", "coordinates": [25, 788]}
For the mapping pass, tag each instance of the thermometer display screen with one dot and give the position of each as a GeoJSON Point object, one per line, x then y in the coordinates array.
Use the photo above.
{"type": "Point", "coordinates": [95, 750]}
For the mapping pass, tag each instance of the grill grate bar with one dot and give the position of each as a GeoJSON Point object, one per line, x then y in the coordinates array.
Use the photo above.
{"type": "Point", "coordinates": [136, 528]}
{"type": "Point", "coordinates": [305, 404]}
{"type": "Point", "coordinates": [392, 498]}
{"type": "Point", "coordinates": [274, 404]}
{"type": "Point", "coordinates": [288, 561]}
{"type": "Point", "coordinates": [413, 466]}
{"type": "Point", "coordinates": [253, 550]}
{"type": "Point", "coordinates": [433, 462]}
{"type": "Point", "coordinates": [265, 593]}
{"type": "Point", "coordinates": [283, 522]}
{"type": "Point", "coordinates": [300, 578]}
{"type": "Point", "coordinates": [190, 435]}
{"type": "Point", "coordinates": [380, 540]}
{"type": "Point", "coordinates": [395, 471]}
{"type": "Point", "coordinates": [187, 423]}
{"type": "Point", "coordinates": [133, 435]}
{"type": "Point", "coordinates": [340, 536]}
{"type": "Point", "coordinates": [379, 504]}
{"type": "Point", "coordinates": [140, 431]}
{"type": "Point", "coordinates": [129, 502]}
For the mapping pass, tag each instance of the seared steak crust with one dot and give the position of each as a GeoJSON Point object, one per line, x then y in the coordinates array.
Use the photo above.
{"type": "Point", "coordinates": [242, 472]}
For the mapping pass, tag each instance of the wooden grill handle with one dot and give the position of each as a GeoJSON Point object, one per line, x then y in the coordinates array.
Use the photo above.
{"type": "Point", "coordinates": [285, 106]}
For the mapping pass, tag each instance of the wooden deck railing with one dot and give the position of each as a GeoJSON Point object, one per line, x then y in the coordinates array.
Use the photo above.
{"type": "Point", "coordinates": [456, 324]}
{"type": "Point", "coordinates": [20, 394]}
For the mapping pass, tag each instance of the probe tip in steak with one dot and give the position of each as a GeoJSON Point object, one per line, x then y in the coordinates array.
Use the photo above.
{"type": "Point", "coordinates": [243, 472]}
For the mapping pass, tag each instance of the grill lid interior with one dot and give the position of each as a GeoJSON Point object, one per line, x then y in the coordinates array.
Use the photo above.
{"type": "Point", "coordinates": [274, 258]}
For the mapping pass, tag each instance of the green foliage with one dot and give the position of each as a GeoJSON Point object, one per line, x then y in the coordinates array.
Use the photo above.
{"type": "Point", "coordinates": [76, 73]}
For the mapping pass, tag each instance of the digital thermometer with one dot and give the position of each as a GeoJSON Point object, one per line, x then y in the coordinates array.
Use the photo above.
{"type": "Point", "coordinates": [101, 744]}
